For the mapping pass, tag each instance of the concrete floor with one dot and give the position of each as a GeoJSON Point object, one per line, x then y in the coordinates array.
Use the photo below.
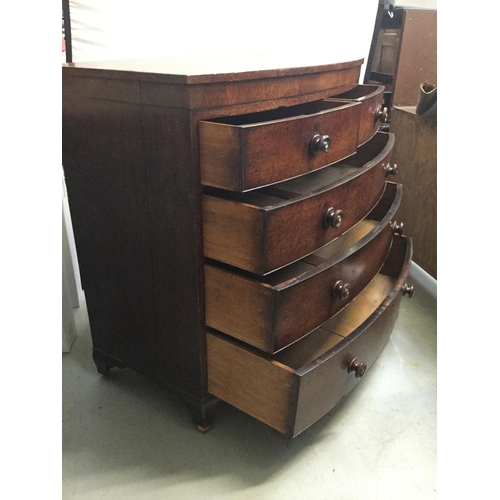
{"type": "Point", "coordinates": [127, 438]}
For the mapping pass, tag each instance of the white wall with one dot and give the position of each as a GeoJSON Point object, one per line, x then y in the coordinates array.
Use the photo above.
{"type": "Point", "coordinates": [115, 29]}
{"type": "Point", "coordinates": [416, 4]}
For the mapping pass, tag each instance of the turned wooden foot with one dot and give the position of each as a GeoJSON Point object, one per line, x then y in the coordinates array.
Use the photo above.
{"type": "Point", "coordinates": [202, 413]}
{"type": "Point", "coordinates": [104, 363]}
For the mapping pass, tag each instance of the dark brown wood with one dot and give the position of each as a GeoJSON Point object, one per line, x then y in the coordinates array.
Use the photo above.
{"type": "Point", "coordinates": [104, 363]}
{"type": "Point", "coordinates": [254, 150]}
{"type": "Point", "coordinates": [415, 153]}
{"type": "Point", "coordinates": [293, 389]}
{"type": "Point", "coordinates": [103, 158]}
{"type": "Point", "coordinates": [417, 61]}
{"type": "Point", "coordinates": [371, 99]}
{"type": "Point", "coordinates": [131, 161]}
{"type": "Point", "coordinates": [376, 28]}
{"type": "Point", "coordinates": [324, 385]}
{"type": "Point", "coordinates": [403, 54]}
{"type": "Point", "coordinates": [131, 154]}
{"type": "Point", "coordinates": [266, 229]}
{"type": "Point", "coordinates": [216, 69]}
{"type": "Point", "coordinates": [205, 84]}
{"type": "Point", "coordinates": [280, 308]}
{"type": "Point", "coordinates": [202, 413]}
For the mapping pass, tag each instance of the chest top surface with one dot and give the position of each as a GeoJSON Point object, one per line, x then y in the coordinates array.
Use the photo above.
{"type": "Point", "coordinates": [244, 84]}
{"type": "Point", "coordinates": [213, 69]}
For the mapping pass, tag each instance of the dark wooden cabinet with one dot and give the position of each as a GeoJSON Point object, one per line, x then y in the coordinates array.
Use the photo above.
{"type": "Point", "coordinates": [403, 52]}
{"type": "Point", "coordinates": [235, 229]}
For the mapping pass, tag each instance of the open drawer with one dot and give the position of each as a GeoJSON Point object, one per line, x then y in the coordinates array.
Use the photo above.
{"type": "Point", "coordinates": [244, 152]}
{"type": "Point", "coordinates": [294, 388]}
{"type": "Point", "coordinates": [271, 227]}
{"type": "Point", "coordinates": [273, 311]}
{"type": "Point", "coordinates": [370, 98]}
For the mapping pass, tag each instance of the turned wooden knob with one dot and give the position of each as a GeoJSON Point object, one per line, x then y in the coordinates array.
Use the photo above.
{"type": "Point", "coordinates": [407, 290]}
{"type": "Point", "coordinates": [357, 366]}
{"type": "Point", "coordinates": [333, 218]}
{"type": "Point", "coordinates": [381, 114]}
{"type": "Point", "coordinates": [397, 228]}
{"type": "Point", "coordinates": [390, 170]}
{"type": "Point", "coordinates": [341, 290]}
{"type": "Point", "coordinates": [319, 143]}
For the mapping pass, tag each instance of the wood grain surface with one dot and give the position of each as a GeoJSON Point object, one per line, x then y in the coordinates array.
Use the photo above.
{"type": "Point", "coordinates": [271, 312]}
{"type": "Point", "coordinates": [417, 60]}
{"type": "Point", "coordinates": [268, 147]}
{"type": "Point", "coordinates": [370, 98]}
{"type": "Point", "coordinates": [131, 156]}
{"type": "Point", "coordinates": [268, 228]}
{"type": "Point", "coordinates": [255, 384]}
{"type": "Point", "coordinates": [415, 153]}
{"type": "Point", "coordinates": [294, 388]}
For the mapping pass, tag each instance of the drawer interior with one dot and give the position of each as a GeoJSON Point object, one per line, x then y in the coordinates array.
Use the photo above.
{"type": "Point", "coordinates": [359, 92]}
{"type": "Point", "coordinates": [306, 265]}
{"type": "Point", "coordinates": [320, 341]}
{"type": "Point", "coordinates": [307, 350]}
{"type": "Point", "coordinates": [294, 387]}
{"type": "Point", "coordinates": [278, 113]}
{"type": "Point", "coordinates": [333, 252]}
{"type": "Point", "coordinates": [340, 247]}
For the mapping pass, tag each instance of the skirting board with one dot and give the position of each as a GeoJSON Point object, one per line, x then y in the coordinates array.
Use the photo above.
{"type": "Point", "coordinates": [424, 279]}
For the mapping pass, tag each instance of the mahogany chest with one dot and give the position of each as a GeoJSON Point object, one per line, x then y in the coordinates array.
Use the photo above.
{"type": "Point", "coordinates": [235, 229]}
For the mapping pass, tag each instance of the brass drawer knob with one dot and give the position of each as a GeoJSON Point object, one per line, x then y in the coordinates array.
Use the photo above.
{"type": "Point", "coordinates": [381, 114]}
{"type": "Point", "coordinates": [407, 290]}
{"type": "Point", "coordinates": [357, 366]}
{"type": "Point", "coordinates": [341, 290]}
{"type": "Point", "coordinates": [333, 218]}
{"type": "Point", "coordinates": [390, 170]}
{"type": "Point", "coordinates": [397, 228]}
{"type": "Point", "coordinates": [319, 143]}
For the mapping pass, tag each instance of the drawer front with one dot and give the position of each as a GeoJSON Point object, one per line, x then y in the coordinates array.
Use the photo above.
{"type": "Point", "coordinates": [305, 306]}
{"type": "Point", "coordinates": [249, 151]}
{"type": "Point", "coordinates": [326, 384]}
{"type": "Point", "coordinates": [371, 99]}
{"type": "Point", "coordinates": [272, 227]}
{"type": "Point", "coordinates": [289, 396]}
{"type": "Point", "coordinates": [279, 309]}
{"type": "Point", "coordinates": [326, 380]}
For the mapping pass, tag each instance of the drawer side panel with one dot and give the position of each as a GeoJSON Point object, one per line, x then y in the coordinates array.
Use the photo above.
{"type": "Point", "coordinates": [233, 233]}
{"type": "Point", "coordinates": [240, 306]}
{"type": "Point", "coordinates": [220, 156]}
{"type": "Point", "coordinates": [259, 387]}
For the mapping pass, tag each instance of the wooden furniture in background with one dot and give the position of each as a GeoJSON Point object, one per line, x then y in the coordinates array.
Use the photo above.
{"type": "Point", "coordinates": [403, 52]}
{"type": "Point", "coordinates": [415, 152]}
{"type": "Point", "coordinates": [403, 55]}
{"type": "Point", "coordinates": [191, 281]}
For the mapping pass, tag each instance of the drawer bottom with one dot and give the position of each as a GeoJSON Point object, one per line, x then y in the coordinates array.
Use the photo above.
{"type": "Point", "coordinates": [294, 388]}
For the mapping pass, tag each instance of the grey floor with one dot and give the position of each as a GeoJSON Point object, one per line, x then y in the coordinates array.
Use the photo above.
{"type": "Point", "coordinates": [127, 438]}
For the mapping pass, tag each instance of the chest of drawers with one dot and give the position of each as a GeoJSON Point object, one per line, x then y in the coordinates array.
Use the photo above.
{"type": "Point", "coordinates": [235, 230]}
